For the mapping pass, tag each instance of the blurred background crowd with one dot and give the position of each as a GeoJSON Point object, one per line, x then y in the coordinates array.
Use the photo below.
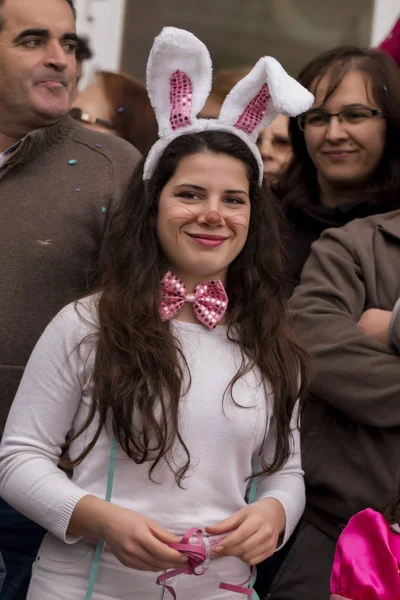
{"type": "Point", "coordinates": [309, 39]}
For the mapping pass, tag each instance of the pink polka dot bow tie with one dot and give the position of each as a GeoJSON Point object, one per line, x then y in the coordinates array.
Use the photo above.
{"type": "Point", "coordinates": [209, 300]}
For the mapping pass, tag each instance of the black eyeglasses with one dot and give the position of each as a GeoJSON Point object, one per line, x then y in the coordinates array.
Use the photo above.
{"type": "Point", "coordinates": [348, 116]}
{"type": "Point", "coordinates": [80, 115]}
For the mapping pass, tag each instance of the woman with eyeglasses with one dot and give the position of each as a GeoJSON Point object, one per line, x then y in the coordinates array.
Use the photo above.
{"type": "Point", "coordinates": [346, 166]}
{"type": "Point", "coordinates": [346, 151]}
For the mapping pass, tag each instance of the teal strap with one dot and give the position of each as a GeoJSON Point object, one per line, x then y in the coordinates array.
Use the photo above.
{"type": "Point", "coordinates": [250, 499]}
{"type": "Point", "coordinates": [253, 486]}
{"type": "Point", "coordinates": [254, 595]}
{"type": "Point", "coordinates": [100, 544]}
{"type": "Point", "coordinates": [253, 491]}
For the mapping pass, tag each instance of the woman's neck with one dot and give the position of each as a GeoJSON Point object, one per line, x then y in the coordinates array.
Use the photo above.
{"type": "Point", "coordinates": [332, 196]}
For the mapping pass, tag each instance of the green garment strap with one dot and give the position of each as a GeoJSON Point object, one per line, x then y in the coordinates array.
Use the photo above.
{"type": "Point", "coordinates": [253, 486]}
{"type": "Point", "coordinates": [100, 544]}
{"type": "Point", "coordinates": [254, 595]}
{"type": "Point", "coordinates": [250, 499]}
{"type": "Point", "coordinates": [253, 491]}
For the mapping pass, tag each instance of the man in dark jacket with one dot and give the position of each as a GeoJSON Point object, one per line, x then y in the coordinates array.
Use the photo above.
{"type": "Point", "coordinates": [58, 185]}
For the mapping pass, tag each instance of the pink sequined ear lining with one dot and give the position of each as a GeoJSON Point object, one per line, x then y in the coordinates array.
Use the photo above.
{"type": "Point", "coordinates": [180, 99]}
{"type": "Point", "coordinates": [254, 112]}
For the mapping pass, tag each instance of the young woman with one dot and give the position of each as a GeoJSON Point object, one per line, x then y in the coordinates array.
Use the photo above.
{"type": "Point", "coordinates": [346, 156]}
{"type": "Point", "coordinates": [175, 384]}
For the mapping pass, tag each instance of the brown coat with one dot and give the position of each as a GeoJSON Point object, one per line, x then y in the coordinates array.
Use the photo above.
{"type": "Point", "coordinates": [351, 421]}
{"type": "Point", "coordinates": [56, 194]}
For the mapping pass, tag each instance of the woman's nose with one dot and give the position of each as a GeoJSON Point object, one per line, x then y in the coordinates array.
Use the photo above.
{"type": "Point", "coordinates": [211, 217]}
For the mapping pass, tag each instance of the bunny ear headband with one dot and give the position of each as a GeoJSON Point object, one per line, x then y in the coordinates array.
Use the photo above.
{"type": "Point", "coordinates": [179, 74]}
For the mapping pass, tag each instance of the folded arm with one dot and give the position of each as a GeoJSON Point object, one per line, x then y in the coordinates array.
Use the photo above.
{"type": "Point", "coordinates": [356, 373]}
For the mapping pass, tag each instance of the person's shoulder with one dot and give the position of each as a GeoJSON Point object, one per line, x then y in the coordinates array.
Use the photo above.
{"type": "Point", "coordinates": [368, 225]}
{"type": "Point", "coordinates": [357, 237]}
{"type": "Point", "coordinates": [109, 146]}
{"type": "Point", "coordinates": [78, 317]}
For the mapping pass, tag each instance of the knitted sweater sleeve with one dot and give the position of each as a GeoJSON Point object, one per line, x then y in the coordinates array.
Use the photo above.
{"type": "Point", "coordinates": [286, 485]}
{"type": "Point", "coordinates": [38, 424]}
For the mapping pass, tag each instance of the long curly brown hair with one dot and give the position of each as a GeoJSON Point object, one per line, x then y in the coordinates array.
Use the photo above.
{"type": "Point", "coordinates": [139, 367]}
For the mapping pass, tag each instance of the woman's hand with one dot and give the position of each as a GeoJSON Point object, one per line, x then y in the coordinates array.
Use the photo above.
{"type": "Point", "coordinates": [375, 323]}
{"type": "Point", "coordinates": [137, 542]}
{"type": "Point", "coordinates": [256, 529]}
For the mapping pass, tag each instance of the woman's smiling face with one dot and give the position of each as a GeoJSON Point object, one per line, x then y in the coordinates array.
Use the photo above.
{"type": "Point", "coordinates": [203, 215]}
{"type": "Point", "coordinates": [346, 153]}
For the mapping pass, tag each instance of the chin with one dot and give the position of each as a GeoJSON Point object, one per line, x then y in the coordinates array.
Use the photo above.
{"type": "Point", "coordinates": [52, 111]}
{"type": "Point", "coordinates": [203, 271]}
{"type": "Point", "coordinates": [345, 179]}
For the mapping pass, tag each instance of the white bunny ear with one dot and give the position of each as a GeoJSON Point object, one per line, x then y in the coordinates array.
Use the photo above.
{"type": "Point", "coordinates": [179, 73]}
{"type": "Point", "coordinates": [261, 96]}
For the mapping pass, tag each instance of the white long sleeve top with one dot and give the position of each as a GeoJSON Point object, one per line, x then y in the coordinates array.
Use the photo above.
{"type": "Point", "coordinates": [224, 439]}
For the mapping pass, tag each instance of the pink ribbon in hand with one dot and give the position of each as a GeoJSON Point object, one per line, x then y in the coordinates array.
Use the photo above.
{"type": "Point", "coordinates": [196, 551]}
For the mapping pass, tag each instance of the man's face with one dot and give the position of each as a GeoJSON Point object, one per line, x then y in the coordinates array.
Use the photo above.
{"type": "Point", "coordinates": [37, 63]}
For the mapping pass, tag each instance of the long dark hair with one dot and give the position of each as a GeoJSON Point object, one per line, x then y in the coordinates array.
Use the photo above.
{"type": "Point", "coordinates": [299, 186]}
{"type": "Point", "coordinates": [139, 367]}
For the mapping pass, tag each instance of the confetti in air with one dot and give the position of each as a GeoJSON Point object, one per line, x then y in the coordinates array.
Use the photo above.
{"type": "Point", "coordinates": [103, 209]}
{"type": "Point", "coordinates": [72, 161]}
{"type": "Point", "coordinates": [121, 109]}
{"type": "Point", "coordinates": [98, 145]}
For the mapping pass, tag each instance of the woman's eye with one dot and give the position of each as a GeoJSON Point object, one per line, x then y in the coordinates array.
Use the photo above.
{"type": "Point", "coordinates": [188, 195]}
{"type": "Point", "coordinates": [316, 119]}
{"type": "Point", "coordinates": [234, 200]}
{"type": "Point", "coordinates": [356, 115]}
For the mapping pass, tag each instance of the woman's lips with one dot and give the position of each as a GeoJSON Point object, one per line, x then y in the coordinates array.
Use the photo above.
{"type": "Point", "coordinates": [339, 155]}
{"type": "Point", "coordinates": [211, 241]}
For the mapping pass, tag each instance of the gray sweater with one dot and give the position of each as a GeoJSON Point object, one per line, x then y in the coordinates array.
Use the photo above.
{"type": "Point", "coordinates": [225, 440]}
{"type": "Point", "coordinates": [56, 193]}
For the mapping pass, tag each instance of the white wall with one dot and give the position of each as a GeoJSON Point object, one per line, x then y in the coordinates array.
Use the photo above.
{"type": "Point", "coordinates": [386, 13]}
{"type": "Point", "coordinates": [102, 21]}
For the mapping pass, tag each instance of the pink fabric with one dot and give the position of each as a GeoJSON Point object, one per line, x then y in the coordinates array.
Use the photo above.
{"type": "Point", "coordinates": [180, 98]}
{"type": "Point", "coordinates": [209, 300]}
{"type": "Point", "coordinates": [198, 548]}
{"type": "Point", "coordinates": [366, 565]}
{"type": "Point", "coordinates": [254, 112]}
{"type": "Point", "coordinates": [391, 44]}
